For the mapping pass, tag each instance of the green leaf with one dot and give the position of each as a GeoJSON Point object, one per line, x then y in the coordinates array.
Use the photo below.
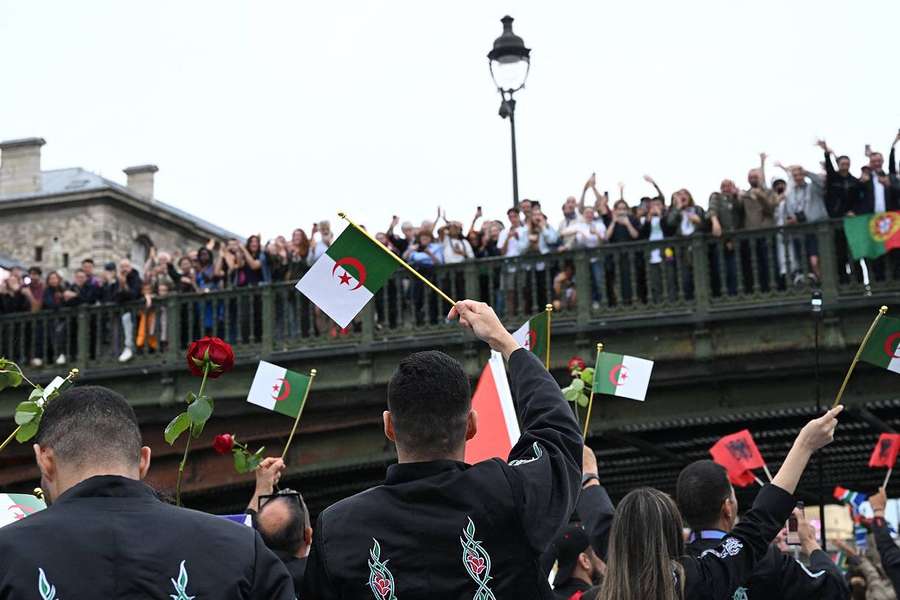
{"type": "Point", "coordinates": [26, 412]}
{"type": "Point", "coordinates": [10, 379]}
{"type": "Point", "coordinates": [571, 394]}
{"type": "Point", "coordinates": [240, 461]}
{"type": "Point", "coordinates": [176, 427]}
{"type": "Point", "coordinates": [577, 384]}
{"type": "Point", "coordinates": [587, 376]}
{"type": "Point", "coordinates": [36, 394]}
{"type": "Point", "coordinates": [582, 401]}
{"type": "Point", "coordinates": [253, 462]}
{"type": "Point", "coordinates": [28, 430]}
{"type": "Point", "coordinates": [200, 410]}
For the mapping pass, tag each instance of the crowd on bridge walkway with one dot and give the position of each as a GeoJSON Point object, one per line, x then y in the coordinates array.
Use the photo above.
{"type": "Point", "coordinates": [536, 525]}
{"type": "Point", "coordinates": [593, 220]}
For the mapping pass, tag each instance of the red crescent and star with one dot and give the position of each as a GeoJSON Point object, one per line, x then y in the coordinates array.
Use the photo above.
{"type": "Point", "coordinates": [531, 341]}
{"type": "Point", "coordinates": [617, 373]}
{"type": "Point", "coordinates": [345, 277]}
{"type": "Point", "coordinates": [282, 385]}
{"type": "Point", "coordinates": [891, 346]}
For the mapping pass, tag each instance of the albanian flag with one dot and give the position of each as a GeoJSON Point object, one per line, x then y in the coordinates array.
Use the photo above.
{"type": "Point", "coordinates": [739, 455]}
{"type": "Point", "coordinates": [885, 452]}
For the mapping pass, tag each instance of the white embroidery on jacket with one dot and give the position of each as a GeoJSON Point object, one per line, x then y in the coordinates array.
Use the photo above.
{"type": "Point", "coordinates": [181, 585]}
{"type": "Point", "coordinates": [521, 461]}
{"type": "Point", "coordinates": [45, 588]}
{"type": "Point", "coordinates": [730, 547]}
{"type": "Point", "coordinates": [381, 581]}
{"type": "Point", "coordinates": [477, 562]}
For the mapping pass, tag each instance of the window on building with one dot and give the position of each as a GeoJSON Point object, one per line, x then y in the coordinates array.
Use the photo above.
{"type": "Point", "coordinates": [65, 260]}
{"type": "Point", "coordinates": [140, 250]}
{"type": "Point", "coordinates": [38, 253]}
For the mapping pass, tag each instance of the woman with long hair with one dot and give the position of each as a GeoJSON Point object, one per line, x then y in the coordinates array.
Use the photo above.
{"type": "Point", "coordinates": [646, 558]}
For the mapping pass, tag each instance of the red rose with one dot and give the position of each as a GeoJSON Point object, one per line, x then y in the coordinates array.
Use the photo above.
{"type": "Point", "coordinates": [576, 362]}
{"type": "Point", "coordinates": [223, 443]}
{"type": "Point", "coordinates": [217, 351]}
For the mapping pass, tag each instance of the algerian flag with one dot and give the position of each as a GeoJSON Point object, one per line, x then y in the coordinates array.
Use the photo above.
{"type": "Point", "coordinates": [278, 389]}
{"type": "Point", "coordinates": [883, 347]}
{"type": "Point", "coordinates": [533, 335]}
{"type": "Point", "coordinates": [15, 507]}
{"type": "Point", "coordinates": [625, 376]}
{"type": "Point", "coordinates": [346, 277]}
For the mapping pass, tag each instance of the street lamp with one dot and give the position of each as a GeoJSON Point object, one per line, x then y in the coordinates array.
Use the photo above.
{"type": "Point", "coordinates": [510, 63]}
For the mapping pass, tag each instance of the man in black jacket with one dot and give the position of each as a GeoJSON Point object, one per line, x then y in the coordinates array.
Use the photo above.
{"type": "Point", "coordinates": [439, 528]}
{"type": "Point", "coordinates": [107, 535]}
{"type": "Point", "coordinates": [124, 289]}
{"type": "Point", "coordinates": [842, 195]}
{"type": "Point", "coordinates": [708, 504]}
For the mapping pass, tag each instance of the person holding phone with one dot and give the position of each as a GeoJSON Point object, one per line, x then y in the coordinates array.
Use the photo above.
{"type": "Point", "coordinates": [708, 504]}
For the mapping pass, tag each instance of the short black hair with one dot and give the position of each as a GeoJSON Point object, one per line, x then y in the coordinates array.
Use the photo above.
{"type": "Point", "coordinates": [512, 210]}
{"type": "Point", "coordinates": [843, 157]}
{"type": "Point", "coordinates": [429, 400]}
{"type": "Point", "coordinates": [87, 260]}
{"type": "Point", "coordinates": [91, 424]}
{"type": "Point", "coordinates": [35, 269]}
{"type": "Point", "coordinates": [701, 488]}
{"type": "Point", "coordinates": [291, 536]}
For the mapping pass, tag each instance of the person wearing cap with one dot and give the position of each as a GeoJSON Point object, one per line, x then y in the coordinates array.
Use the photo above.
{"type": "Point", "coordinates": [578, 566]}
{"type": "Point", "coordinates": [707, 502]}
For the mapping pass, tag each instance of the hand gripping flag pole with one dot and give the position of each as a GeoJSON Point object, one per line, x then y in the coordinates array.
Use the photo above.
{"type": "Point", "coordinates": [549, 309]}
{"type": "Point", "coordinates": [587, 418]}
{"type": "Point", "coordinates": [312, 376]}
{"type": "Point", "coordinates": [881, 313]}
{"type": "Point", "coordinates": [402, 262]}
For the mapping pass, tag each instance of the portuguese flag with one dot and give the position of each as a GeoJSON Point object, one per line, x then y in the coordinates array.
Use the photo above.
{"type": "Point", "coordinates": [534, 336]}
{"type": "Point", "coordinates": [883, 348]}
{"type": "Point", "coordinates": [278, 389]}
{"type": "Point", "coordinates": [623, 376]}
{"type": "Point", "coordinates": [870, 236]}
{"type": "Point", "coordinates": [346, 277]}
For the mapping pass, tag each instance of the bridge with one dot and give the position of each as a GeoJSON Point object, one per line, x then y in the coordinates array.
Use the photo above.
{"type": "Point", "coordinates": [734, 338]}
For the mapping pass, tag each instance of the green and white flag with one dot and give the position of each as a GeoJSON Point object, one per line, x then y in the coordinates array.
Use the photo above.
{"type": "Point", "coordinates": [15, 507]}
{"type": "Point", "coordinates": [278, 389]}
{"type": "Point", "coordinates": [624, 376]}
{"type": "Point", "coordinates": [883, 347]}
{"type": "Point", "coordinates": [346, 277]}
{"type": "Point", "coordinates": [533, 335]}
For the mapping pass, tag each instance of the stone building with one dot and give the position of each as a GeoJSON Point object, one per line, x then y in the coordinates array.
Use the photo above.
{"type": "Point", "coordinates": [54, 219]}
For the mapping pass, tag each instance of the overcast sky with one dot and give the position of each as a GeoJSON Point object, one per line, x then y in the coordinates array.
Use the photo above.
{"type": "Point", "coordinates": [267, 115]}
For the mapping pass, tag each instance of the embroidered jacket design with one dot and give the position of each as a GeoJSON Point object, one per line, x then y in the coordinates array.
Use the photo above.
{"type": "Point", "coordinates": [181, 585]}
{"type": "Point", "coordinates": [477, 561]}
{"type": "Point", "coordinates": [730, 547]}
{"type": "Point", "coordinates": [521, 461]}
{"type": "Point", "coordinates": [45, 588]}
{"type": "Point", "coordinates": [740, 594]}
{"type": "Point", "coordinates": [381, 581]}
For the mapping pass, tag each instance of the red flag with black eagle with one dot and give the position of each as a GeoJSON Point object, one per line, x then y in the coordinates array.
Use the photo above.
{"type": "Point", "coordinates": [885, 451]}
{"type": "Point", "coordinates": [739, 455]}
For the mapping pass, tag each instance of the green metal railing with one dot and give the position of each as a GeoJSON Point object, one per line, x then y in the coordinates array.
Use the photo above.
{"type": "Point", "coordinates": [697, 278]}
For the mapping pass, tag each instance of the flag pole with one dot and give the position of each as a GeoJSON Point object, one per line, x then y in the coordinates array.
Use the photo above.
{"type": "Point", "coordinates": [312, 375]}
{"type": "Point", "coordinates": [549, 309]}
{"type": "Point", "coordinates": [881, 312]}
{"type": "Point", "coordinates": [759, 481]}
{"type": "Point", "coordinates": [587, 418]}
{"type": "Point", "coordinates": [402, 262]}
{"type": "Point", "coordinates": [766, 469]}
{"type": "Point", "coordinates": [886, 478]}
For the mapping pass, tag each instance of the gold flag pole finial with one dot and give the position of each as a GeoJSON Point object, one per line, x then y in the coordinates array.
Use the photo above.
{"type": "Point", "coordinates": [587, 418]}
{"type": "Point", "coordinates": [312, 375]}
{"type": "Point", "coordinates": [549, 309]}
{"type": "Point", "coordinates": [402, 262]}
{"type": "Point", "coordinates": [881, 312]}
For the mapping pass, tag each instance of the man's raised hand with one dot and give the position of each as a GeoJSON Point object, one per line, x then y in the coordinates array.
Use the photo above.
{"type": "Point", "coordinates": [484, 323]}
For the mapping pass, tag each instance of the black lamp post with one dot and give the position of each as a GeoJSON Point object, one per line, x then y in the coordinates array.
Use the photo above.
{"type": "Point", "coordinates": [510, 63]}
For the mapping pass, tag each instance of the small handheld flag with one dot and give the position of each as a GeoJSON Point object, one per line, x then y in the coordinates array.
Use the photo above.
{"type": "Point", "coordinates": [534, 335]}
{"type": "Point", "coordinates": [885, 452]}
{"type": "Point", "coordinates": [870, 236]}
{"type": "Point", "coordinates": [15, 507]}
{"type": "Point", "coordinates": [623, 376]}
{"type": "Point", "coordinates": [743, 478]}
{"type": "Point", "coordinates": [855, 499]}
{"type": "Point", "coordinates": [275, 388]}
{"type": "Point", "coordinates": [883, 347]}
{"type": "Point", "coordinates": [739, 455]}
{"type": "Point", "coordinates": [865, 341]}
{"type": "Point", "coordinates": [498, 427]}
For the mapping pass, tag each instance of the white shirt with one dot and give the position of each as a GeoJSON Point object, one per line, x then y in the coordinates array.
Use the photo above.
{"type": "Point", "coordinates": [656, 233]}
{"type": "Point", "coordinates": [589, 235]}
{"type": "Point", "coordinates": [317, 250]}
{"type": "Point", "coordinates": [456, 251]}
{"type": "Point", "coordinates": [516, 246]}
{"type": "Point", "coordinates": [687, 226]}
{"type": "Point", "coordinates": [568, 230]}
{"type": "Point", "coordinates": [879, 194]}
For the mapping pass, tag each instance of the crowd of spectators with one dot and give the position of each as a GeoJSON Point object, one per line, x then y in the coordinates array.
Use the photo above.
{"type": "Point", "coordinates": [654, 272]}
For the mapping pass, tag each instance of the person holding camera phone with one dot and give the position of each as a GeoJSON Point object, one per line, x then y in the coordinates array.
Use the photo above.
{"type": "Point", "coordinates": [805, 203]}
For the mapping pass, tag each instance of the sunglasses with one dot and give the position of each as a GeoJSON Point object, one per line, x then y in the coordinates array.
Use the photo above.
{"type": "Point", "coordinates": [285, 493]}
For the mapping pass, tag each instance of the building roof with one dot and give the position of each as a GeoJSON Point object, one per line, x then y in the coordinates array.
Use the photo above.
{"type": "Point", "coordinates": [8, 262]}
{"type": "Point", "coordinates": [75, 180]}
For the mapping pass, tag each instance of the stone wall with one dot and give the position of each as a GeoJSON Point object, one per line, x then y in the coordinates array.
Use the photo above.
{"type": "Point", "coordinates": [96, 228]}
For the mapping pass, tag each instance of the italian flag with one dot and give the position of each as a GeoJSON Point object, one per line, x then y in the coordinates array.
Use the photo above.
{"type": "Point", "coordinates": [870, 236]}
{"type": "Point", "coordinates": [15, 507]}
{"type": "Point", "coordinates": [883, 348]}
{"type": "Point", "coordinates": [624, 376]}
{"type": "Point", "coordinates": [276, 388]}
{"type": "Point", "coordinates": [498, 427]}
{"type": "Point", "coordinates": [533, 335]}
{"type": "Point", "coordinates": [346, 277]}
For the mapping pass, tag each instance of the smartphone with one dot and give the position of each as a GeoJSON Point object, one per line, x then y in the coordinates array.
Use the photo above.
{"type": "Point", "coordinates": [479, 209]}
{"type": "Point", "coordinates": [793, 535]}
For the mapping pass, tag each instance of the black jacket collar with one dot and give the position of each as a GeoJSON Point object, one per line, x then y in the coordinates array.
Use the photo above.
{"type": "Point", "coordinates": [107, 486]}
{"type": "Point", "coordinates": [405, 472]}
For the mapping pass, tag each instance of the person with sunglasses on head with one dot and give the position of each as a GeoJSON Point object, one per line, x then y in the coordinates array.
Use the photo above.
{"type": "Point", "coordinates": [281, 518]}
